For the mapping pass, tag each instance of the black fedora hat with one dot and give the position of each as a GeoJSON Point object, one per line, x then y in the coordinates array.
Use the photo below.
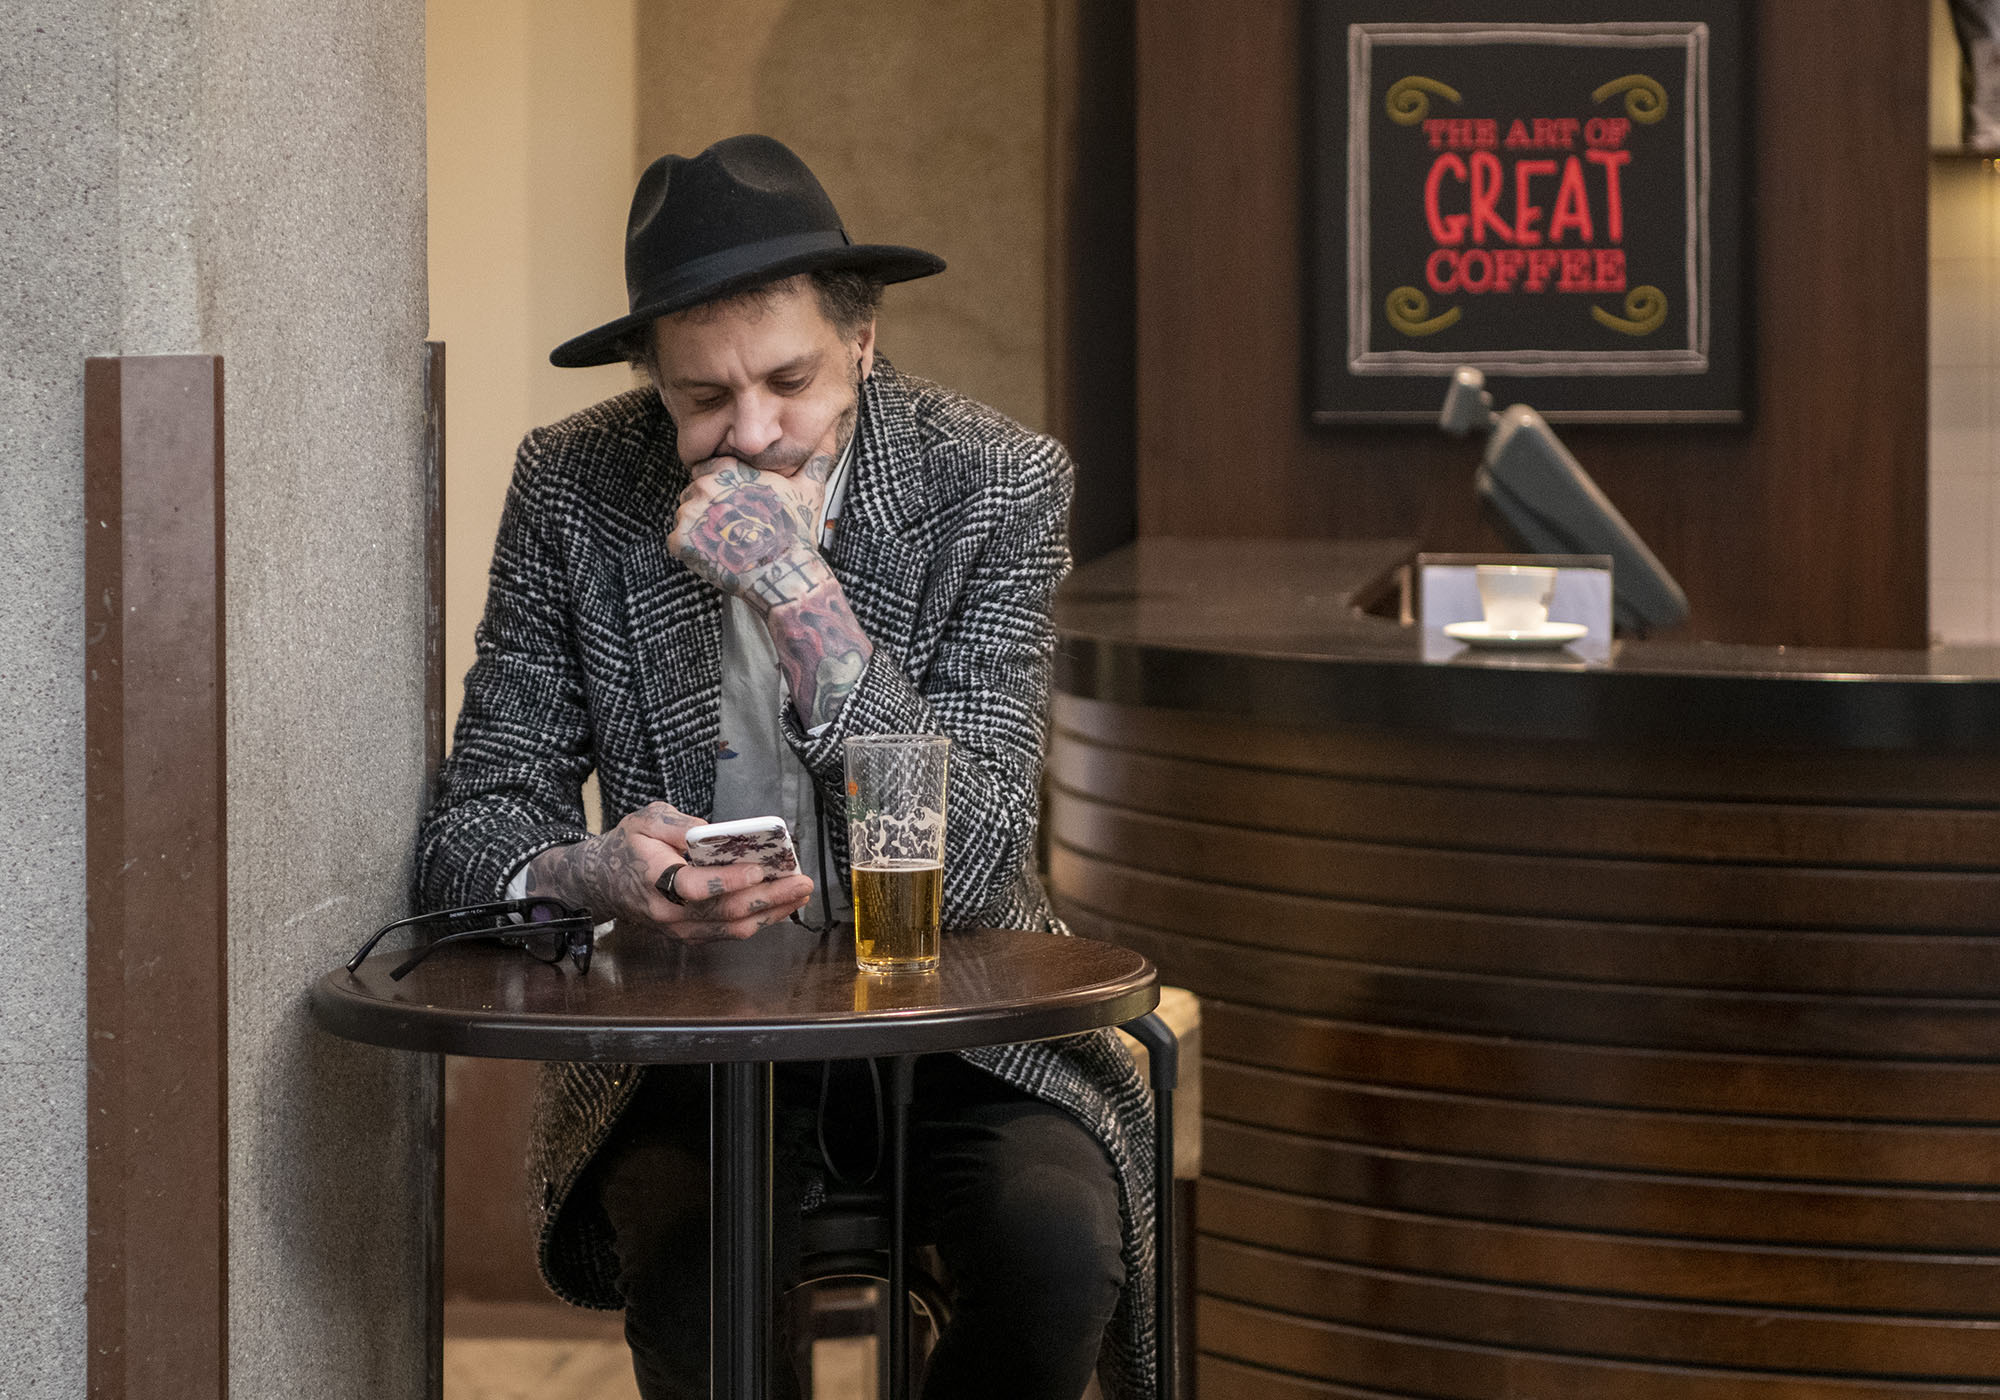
{"type": "Point", "coordinates": [744, 212]}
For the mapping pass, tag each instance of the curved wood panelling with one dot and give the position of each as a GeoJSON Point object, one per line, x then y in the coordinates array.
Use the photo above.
{"type": "Point", "coordinates": [1405, 1365]}
{"type": "Point", "coordinates": [1660, 1017]}
{"type": "Point", "coordinates": [1536, 823]}
{"type": "Point", "coordinates": [1637, 1140]}
{"type": "Point", "coordinates": [1767, 1085]}
{"type": "Point", "coordinates": [1637, 1328]}
{"type": "Point", "coordinates": [1567, 1071]}
{"type": "Point", "coordinates": [1943, 1219]}
{"type": "Point", "coordinates": [1767, 960]}
{"type": "Point", "coordinates": [1798, 775]}
{"type": "Point", "coordinates": [1584, 1262]}
{"type": "Point", "coordinates": [1447, 877]}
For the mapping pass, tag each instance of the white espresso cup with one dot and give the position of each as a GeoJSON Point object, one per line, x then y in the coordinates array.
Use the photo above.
{"type": "Point", "coordinates": [1516, 596]}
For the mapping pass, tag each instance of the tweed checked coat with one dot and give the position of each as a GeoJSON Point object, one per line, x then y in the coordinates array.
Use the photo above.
{"type": "Point", "coordinates": [601, 651]}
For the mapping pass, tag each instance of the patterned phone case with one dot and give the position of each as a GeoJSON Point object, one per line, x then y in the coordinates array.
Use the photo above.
{"type": "Point", "coordinates": [771, 849]}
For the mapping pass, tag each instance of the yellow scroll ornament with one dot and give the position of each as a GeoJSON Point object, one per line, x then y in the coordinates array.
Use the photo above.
{"type": "Point", "coordinates": [1645, 99]}
{"type": "Point", "coordinates": [1645, 312]}
{"type": "Point", "coordinates": [1409, 311]}
{"type": "Point", "coordinates": [1409, 100]}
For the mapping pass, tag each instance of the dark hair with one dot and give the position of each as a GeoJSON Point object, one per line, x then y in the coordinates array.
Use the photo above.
{"type": "Point", "coordinates": [848, 299]}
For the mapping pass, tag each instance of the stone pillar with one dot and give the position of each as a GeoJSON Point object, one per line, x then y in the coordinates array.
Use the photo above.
{"type": "Point", "coordinates": [242, 178]}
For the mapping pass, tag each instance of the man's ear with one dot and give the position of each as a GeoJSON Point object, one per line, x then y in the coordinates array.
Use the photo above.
{"type": "Point", "coordinates": [864, 344]}
{"type": "Point", "coordinates": [653, 363]}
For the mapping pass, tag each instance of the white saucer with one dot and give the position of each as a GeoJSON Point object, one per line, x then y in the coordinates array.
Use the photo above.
{"type": "Point", "coordinates": [1549, 634]}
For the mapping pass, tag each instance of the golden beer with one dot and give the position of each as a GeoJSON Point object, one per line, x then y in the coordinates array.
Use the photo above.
{"type": "Point", "coordinates": [896, 915]}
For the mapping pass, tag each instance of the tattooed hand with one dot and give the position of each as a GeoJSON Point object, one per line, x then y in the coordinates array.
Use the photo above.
{"type": "Point", "coordinates": [619, 875]}
{"type": "Point", "coordinates": [749, 530]}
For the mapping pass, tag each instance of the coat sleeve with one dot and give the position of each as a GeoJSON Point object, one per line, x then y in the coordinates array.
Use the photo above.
{"type": "Point", "coordinates": [987, 687]}
{"type": "Point", "coordinates": [513, 784]}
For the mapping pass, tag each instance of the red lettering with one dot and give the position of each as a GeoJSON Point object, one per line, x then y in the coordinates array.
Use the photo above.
{"type": "Point", "coordinates": [1555, 133]}
{"type": "Point", "coordinates": [1484, 281]}
{"type": "Point", "coordinates": [1445, 228]}
{"type": "Point", "coordinates": [1526, 212]}
{"type": "Point", "coordinates": [1541, 262]}
{"type": "Point", "coordinates": [1572, 204]}
{"type": "Point", "coordinates": [1614, 207]}
{"type": "Point", "coordinates": [1610, 269]}
{"type": "Point", "coordinates": [1487, 181]}
{"type": "Point", "coordinates": [1462, 133]}
{"type": "Point", "coordinates": [1606, 132]}
{"type": "Point", "coordinates": [1441, 270]}
{"type": "Point", "coordinates": [1476, 270]}
{"type": "Point", "coordinates": [1517, 135]}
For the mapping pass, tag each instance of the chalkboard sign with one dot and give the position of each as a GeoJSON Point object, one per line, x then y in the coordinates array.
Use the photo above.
{"type": "Point", "coordinates": [1558, 203]}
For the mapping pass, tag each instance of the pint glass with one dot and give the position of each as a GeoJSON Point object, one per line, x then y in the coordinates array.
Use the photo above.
{"type": "Point", "coordinates": [895, 844]}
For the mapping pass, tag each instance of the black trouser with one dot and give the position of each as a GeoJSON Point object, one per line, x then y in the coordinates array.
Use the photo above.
{"type": "Point", "coordinates": [1019, 1200]}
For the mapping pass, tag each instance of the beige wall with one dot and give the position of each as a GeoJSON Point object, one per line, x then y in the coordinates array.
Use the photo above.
{"type": "Point", "coordinates": [1965, 369]}
{"type": "Point", "coordinates": [531, 167]}
{"type": "Point", "coordinates": [926, 121]}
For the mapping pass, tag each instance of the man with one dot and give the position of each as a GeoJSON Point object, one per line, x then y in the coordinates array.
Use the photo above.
{"type": "Point", "coordinates": [700, 589]}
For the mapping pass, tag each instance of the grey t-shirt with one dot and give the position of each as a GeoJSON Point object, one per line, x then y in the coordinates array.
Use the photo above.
{"type": "Point", "coordinates": [756, 772]}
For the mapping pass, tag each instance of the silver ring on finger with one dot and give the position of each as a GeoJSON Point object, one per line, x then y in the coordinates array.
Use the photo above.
{"type": "Point", "coordinates": [665, 884]}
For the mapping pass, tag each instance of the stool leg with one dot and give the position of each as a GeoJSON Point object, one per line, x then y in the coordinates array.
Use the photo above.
{"type": "Point", "coordinates": [739, 1251]}
{"type": "Point", "coordinates": [902, 1076]}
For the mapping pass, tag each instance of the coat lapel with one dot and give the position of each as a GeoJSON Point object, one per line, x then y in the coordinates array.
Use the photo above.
{"type": "Point", "coordinates": [886, 546]}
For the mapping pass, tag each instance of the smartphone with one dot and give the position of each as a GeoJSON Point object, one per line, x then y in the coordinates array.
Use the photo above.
{"type": "Point", "coordinates": [764, 841]}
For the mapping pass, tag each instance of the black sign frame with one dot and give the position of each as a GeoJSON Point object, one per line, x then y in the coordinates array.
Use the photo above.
{"type": "Point", "coordinates": [1429, 119]}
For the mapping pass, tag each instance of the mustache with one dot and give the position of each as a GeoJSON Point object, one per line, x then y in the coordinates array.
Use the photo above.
{"type": "Point", "coordinates": [786, 459]}
{"type": "Point", "coordinates": [771, 459]}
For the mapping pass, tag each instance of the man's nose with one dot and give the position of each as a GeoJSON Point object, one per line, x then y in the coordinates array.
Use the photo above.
{"type": "Point", "coordinates": [756, 426]}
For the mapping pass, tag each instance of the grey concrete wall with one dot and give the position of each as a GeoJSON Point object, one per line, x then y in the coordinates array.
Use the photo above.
{"type": "Point", "coordinates": [242, 177]}
{"type": "Point", "coordinates": [311, 248]}
{"type": "Point", "coordinates": [57, 149]}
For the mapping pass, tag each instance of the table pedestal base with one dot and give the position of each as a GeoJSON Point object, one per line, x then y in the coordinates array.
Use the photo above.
{"type": "Point", "coordinates": [739, 1154]}
{"type": "Point", "coordinates": [739, 1235]}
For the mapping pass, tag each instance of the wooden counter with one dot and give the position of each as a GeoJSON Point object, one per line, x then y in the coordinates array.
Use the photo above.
{"type": "Point", "coordinates": [1631, 1031]}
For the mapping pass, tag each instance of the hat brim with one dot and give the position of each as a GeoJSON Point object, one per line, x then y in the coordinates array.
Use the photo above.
{"type": "Point", "coordinates": [884, 261]}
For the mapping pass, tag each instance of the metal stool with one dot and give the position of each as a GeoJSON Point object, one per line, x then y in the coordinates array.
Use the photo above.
{"type": "Point", "coordinates": [860, 1234]}
{"type": "Point", "coordinates": [848, 1238]}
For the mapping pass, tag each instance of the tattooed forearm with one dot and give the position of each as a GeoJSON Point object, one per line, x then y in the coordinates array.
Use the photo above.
{"type": "Point", "coordinates": [785, 580]}
{"type": "Point", "coordinates": [821, 649]}
{"type": "Point", "coordinates": [603, 873]}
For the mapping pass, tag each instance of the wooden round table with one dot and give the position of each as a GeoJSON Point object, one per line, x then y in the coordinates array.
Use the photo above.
{"type": "Point", "coordinates": [787, 994]}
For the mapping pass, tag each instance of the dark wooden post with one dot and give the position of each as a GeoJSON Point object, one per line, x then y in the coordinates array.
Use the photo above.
{"type": "Point", "coordinates": [156, 887]}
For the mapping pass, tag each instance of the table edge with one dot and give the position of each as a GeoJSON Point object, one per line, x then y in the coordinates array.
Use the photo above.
{"type": "Point", "coordinates": [503, 1035]}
